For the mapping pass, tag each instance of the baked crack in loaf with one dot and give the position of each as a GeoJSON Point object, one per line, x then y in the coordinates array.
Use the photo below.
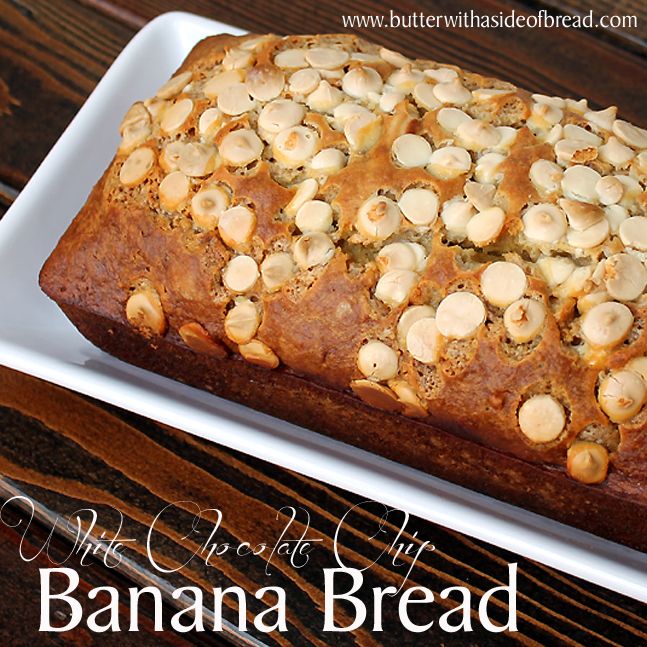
{"type": "Point", "coordinates": [425, 262]}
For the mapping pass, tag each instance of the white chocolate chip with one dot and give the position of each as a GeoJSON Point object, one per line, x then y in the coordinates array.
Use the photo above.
{"type": "Point", "coordinates": [240, 274]}
{"type": "Point", "coordinates": [137, 166]}
{"type": "Point", "coordinates": [577, 133]}
{"type": "Point", "coordinates": [222, 81]}
{"type": "Point", "coordinates": [135, 127]}
{"type": "Point", "coordinates": [252, 44]}
{"type": "Point", "coordinates": [377, 361]}
{"type": "Point", "coordinates": [173, 190]}
{"type": "Point", "coordinates": [197, 160]}
{"type": "Point", "coordinates": [256, 352]}
{"type": "Point", "coordinates": [631, 189]}
{"type": "Point", "coordinates": [574, 150]}
{"type": "Point", "coordinates": [451, 118]}
{"type": "Point", "coordinates": [616, 215]}
{"type": "Point", "coordinates": [276, 270]}
{"type": "Point", "coordinates": [328, 161]}
{"type": "Point", "coordinates": [544, 223]}
{"type": "Point", "coordinates": [602, 119]}
{"type": "Point", "coordinates": [144, 312]}
{"type": "Point", "coordinates": [555, 102]}
{"type": "Point", "coordinates": [405, 79]}
{"type": "Point", "coordinates": [236, 226]}
{"type": "Point", "coordinates": [207, 205]}
{"type": "Point", "coordinates": [555, 270]}
{"type": "Point", "coordinates": [507, 137]}
{"type": "Point", "coordinates": [411, 150]}
{"type": "Point", "coordinates": [449, 162]}
{"type": "Point", "coordinates": [502, 283]}
{"type": "Point", "coordinates": [304, 81]}
{"type": "Point", "coordinates": [484, 227]}
{"type": "Point", "coordinates": [240, 147]}
{"type": "Point", "coordinates": [424, 95]}
{"type": "Point", "coordinates": [423, 340]}
{"type": "Point", "coordinates": [581, 215]}
{"type": "Point", "coordinates": [279, 115]}
{"type": "Point", "coordinates": [174, 116]}
{"type": "Point", "coordinates": [306, 190]}
{"type": "Point", "coordinates": [235, 100]}
{"type": "Point", "coordinates": [441, 74]}
{"type": "Point", "coordinates": [378, 218]}
{"type": "Point", "coordinates": [607, 324]}
{"type": "Point", "coordinates": [394, 287]}
{"type": "Point", "coordinates": [344, 111]}
{"type": "Point", "coordinates": [544, 116]}
{"type": "Point", "coordinates": [325, 98]}
{"type": "Point", "coordinates": [460, 315]}
{"type": "Point", "coordinates": [485, 94]}
{"type": "Point", "coordinates": [376, 395]}
{"type": "Point", "coordinates": [360, 81]}
{"type": "Point", "coordinates": [487, 168]}
{"type": "Point", "coordinates": [294, 146]}
{"type": "Point", "coordinates": [638, 365]}
{"type": "Point", "coordinates": [576, 285]}
{"type": "Point", "coordinates": [579, 183]}
{"type": "Point", "coordinates": [479, 195]}
{"type": "Point", "coordinates": [524, 319]}
{"type": "Point", "coordinates": [311, 249]}
{"type": "Point", "coordinates": [362, 131]}
{"type": "Point", "coordinates": [419, 206]}
{"type": "Point", "coordinates": [326, 58]}
{"type": "Point", "coordinates": [264, 82]}
{"type": "Point", "coordinates": [590, 237]}
{"type": "Point", "coordinates": [542, 418]}
{"type": "Point", "coordinates": [552, 136]}
{"type": "Point", "coordinates": [408, 398]}
{"type": "Point", "coordinates": [209, 120]}
{"type": "Point", "coordinates": [237, 59]}
{"type": "Point", "coordinates": [630, 134]}
{"type": "Point", "coordinates": [622, 395]}
{"type": "Point", "coordinates": [456, 215]}
{"type": "Point", "coordinates": [625, 277]}
{"type": "Point", "coordinates": [609, 190]}
{"type": "Point", "coordinates": [408, 318]}
{"type": "Point", "coordinates": [291, 58]}
{"type": "Point", "coordinates": [453, 92]}
{"type": "Point", "coordinates": [174, 85]}
{"type": "Point", "coordinates": [389, 100]}
{"type": "Point", "coordinates": [476, 135]}
{"type": "Point", "coordinates": [401, 256]}
{"type": "Point", "coordinates": [580, 107]}
{"type": "Point", "coordinates": [587, 462]}
{"type": "Point", "coordinates": [616, 153]}
{"type": "Point", "coordinates": [242, 322]}
{"type": "Point", "coordinates": [314, 215]}
{"type": "Point", "coordinates": [633, 232]}
{"type": "Point", "coordinates": [394, 58]}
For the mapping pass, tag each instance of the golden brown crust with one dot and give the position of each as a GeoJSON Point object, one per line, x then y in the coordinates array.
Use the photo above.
{"type": "Point", "coordinates": [123, 242]}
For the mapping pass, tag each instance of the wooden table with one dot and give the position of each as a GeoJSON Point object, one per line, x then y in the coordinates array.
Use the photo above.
{"type": "Point", "coordinates": [66, 452]}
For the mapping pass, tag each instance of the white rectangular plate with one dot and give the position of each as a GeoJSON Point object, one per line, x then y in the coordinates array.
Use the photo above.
{"type": "Point", "coordinates": [36, 338]}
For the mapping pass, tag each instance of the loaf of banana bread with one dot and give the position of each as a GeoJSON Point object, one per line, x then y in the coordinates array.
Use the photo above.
{"type": "Point", "coordinates": [427, 263]}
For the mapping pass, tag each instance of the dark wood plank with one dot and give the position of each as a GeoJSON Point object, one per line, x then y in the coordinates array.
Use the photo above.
{"type": "Point", "coordinates": [630, 31]}
{"type": "Point", "coordinates": [66, 452]}
{"type": "Point", "coordinates": [52, 54]}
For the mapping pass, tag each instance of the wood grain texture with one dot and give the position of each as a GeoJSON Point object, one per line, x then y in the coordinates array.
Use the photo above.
{"type": "Point", "coordinates": [66, 452]}
{"type": "Point", "coordinates": [626, 33]}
